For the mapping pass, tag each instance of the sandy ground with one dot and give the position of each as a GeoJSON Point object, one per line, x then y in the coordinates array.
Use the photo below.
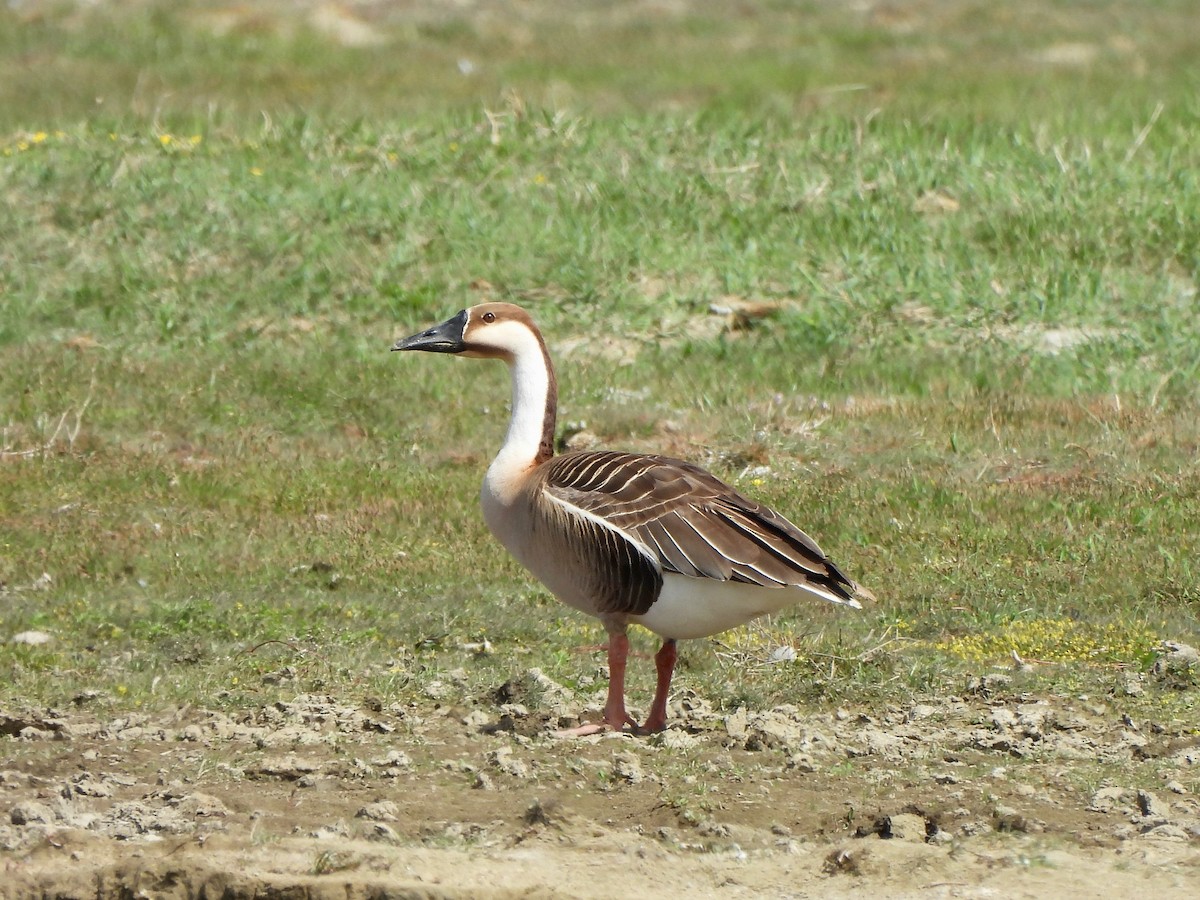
{"type": "Point", "coordinates": [990, 794]}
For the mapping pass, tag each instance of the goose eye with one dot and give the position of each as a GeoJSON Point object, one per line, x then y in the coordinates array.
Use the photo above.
{"type": "Point", "coordinates": [489, 317]}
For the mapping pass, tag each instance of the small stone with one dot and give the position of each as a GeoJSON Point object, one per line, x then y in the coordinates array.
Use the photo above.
{"type": "Point", "coordinates": [736, 724]}
{"type": "Point", "coordinates": [801, 762]}
{"type": "Point", "coordinates": [881, 743]}
{"type": "Point", "coordinates": [774, 729]}
{"type": "Point", "coordinates": [379, 811]}
{"type": "Point", "coordinates": [502, 758]}
{"type": "Point", "coordinates": [674, 739]}
{"type": "Point", "coordinates": [921, 711]}
{"type": "Point", "coordinates": [200, 806]}
{"type": "Point", "coordinates": [291, 767]}
{"type": "Point", "coordinates": [1003, 718]}
{"type": "Point", "coordinates": [333, 832]}
{"type": "Point", "coordinates": [1107, 799]}
{"type": "Point", "coordinates": [31, 813]}
{"type": "Point", "coordinates": [476, 719]}
{"type": "Point", "coordinates": [1151, 806]}
{"type": "Point", "coordinates": [86, 786]}
{"type": "Point", "coordinates": [627, 767]}
{"type": "Point", "coordinates": [1131, 685]}
{"type": "Point", "coordinates": [394, 759]}
{"type": "Point", "coordinates": [1176, 657]}
{"type": "Point", "coordinates": [972, 829]}
{"type": "Point", "coordinates": [715, 829]}
{"type": "Point", "coordinates": [381, 831]}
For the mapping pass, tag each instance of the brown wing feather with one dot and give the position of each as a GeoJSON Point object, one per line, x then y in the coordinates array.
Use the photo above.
{"type": "Point", "coordinates": [616, 574]}
{"type": "Point", "coordinates": [692, 521]}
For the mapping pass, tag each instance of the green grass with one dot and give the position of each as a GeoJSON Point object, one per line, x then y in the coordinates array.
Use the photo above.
{"type": "Point", "coordinates": [208, 449]}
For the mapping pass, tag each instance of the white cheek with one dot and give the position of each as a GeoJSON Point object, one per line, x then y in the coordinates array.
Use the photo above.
{"type": "Point", "coordinates": [507, 337]}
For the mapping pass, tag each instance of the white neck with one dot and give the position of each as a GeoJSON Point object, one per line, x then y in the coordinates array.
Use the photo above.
{"type": "Point", "coordinates": [529, 440]}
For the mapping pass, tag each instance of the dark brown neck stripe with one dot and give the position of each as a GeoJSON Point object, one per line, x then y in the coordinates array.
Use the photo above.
{"type": "Point", "coordinates": [549, 419]}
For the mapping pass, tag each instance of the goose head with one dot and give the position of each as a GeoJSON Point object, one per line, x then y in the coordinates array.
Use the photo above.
{"type": "Point", "coordinates": [489, 330]}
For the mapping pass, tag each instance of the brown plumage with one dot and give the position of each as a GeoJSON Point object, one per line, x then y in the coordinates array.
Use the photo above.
{"type": "Point", "coordinates": [628, 538]}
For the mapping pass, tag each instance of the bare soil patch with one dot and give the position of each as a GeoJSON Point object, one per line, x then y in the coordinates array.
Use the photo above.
{"type": "Point", "coordinates": [992, 793]}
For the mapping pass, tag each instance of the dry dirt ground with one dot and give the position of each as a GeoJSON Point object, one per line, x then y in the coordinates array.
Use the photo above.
{"type": "Point", "coordinates": [993, 793]}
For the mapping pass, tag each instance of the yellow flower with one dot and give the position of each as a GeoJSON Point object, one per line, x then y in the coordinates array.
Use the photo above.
{"type": "Point", "coordinates": [195, 139]}
{"type": "Point", "coordinates": [165, 139]}
{"type": "Point", "coordinates": [255, 171]}
{"type": "Point", "coordinates": [38, 137]}
{"type": "Point", "coordinates": [539, 178]}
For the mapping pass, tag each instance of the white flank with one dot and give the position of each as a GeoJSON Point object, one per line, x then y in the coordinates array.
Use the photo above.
{"type": "Point", "coordinates": [701, 607]}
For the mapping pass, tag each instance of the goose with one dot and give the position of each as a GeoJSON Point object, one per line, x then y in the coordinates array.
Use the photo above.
{"type": "Point", "coordinates": [629, 538]}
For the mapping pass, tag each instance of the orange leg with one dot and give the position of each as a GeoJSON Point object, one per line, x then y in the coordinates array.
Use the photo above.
{"type": "Point", "coordinates": [614, 708]}
{"type": "Point", "coordinates": [664, 662]}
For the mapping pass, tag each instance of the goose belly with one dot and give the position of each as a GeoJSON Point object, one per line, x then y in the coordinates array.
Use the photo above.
{"type": "Point", "coordinates": [701, 607]}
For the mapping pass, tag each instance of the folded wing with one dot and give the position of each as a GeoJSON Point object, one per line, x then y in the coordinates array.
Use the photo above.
{"type": "Point", "coordinates": [690, 521]}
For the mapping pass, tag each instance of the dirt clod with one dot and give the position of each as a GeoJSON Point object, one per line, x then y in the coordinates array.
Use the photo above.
{"type": "Point", "coordinates": [905, 827]}
{"type": "Point", "coordinates": [379, 811]}
{"type": "Point", "coordinates": [844, 862]}
{"type": "Point", "coordinates": [627, 767]}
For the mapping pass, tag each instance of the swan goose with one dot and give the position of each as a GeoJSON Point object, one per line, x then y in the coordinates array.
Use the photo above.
{"type": "Point", "coordinates": [628, 538]}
